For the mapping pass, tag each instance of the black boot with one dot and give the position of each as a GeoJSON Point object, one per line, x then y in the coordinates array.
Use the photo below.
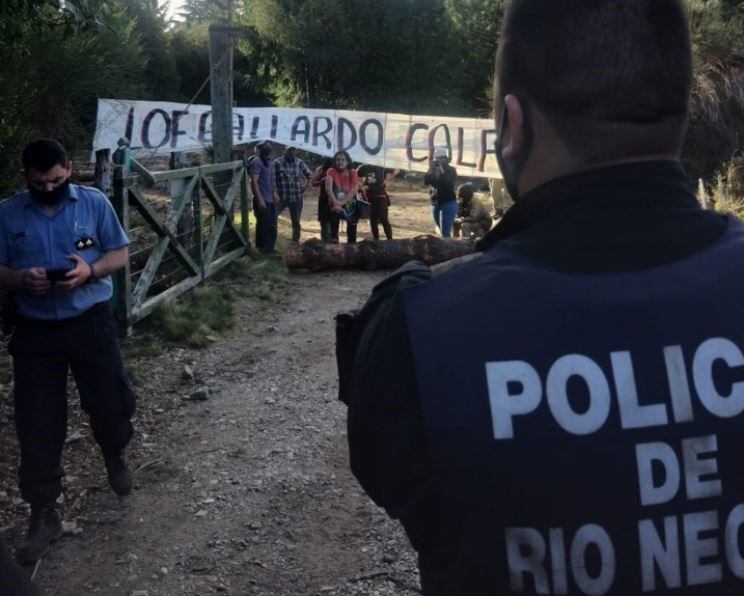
{"type": "Point", "coordinates": [44, 528]}
{"type": "Point", "coordinates": [119, 476]}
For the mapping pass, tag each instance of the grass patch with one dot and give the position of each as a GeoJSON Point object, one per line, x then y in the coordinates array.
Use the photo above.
{"type": "Point", "coordinates": [196, 319]}
{"type": "Point", "coordinates": [259, 277]}
{"type": "Point", "coordinates": [727, 193]}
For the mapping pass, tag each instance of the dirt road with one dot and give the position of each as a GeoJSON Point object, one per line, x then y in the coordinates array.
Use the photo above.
{"type": "Point", "coordinates": [248, 492]}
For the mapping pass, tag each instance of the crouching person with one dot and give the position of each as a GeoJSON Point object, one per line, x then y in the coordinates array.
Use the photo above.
{"type": "Point", "coordinates": [59, 244]}
{"type": "Point", "coordinates": [473, 219]}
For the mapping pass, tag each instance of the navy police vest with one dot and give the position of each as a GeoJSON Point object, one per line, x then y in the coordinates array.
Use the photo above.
{"type": "Point", "coordinates": [589, 439]}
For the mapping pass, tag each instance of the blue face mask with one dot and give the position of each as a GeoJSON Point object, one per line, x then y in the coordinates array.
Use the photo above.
{"type": "Point", "coordinates": [50, 197]}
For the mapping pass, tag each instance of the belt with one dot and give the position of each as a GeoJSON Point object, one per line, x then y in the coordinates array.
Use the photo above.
{"type": "Point", "coordinates": [93, 311]}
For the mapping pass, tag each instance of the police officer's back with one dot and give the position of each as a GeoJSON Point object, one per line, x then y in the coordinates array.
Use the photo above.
{"type": "Point", "coordinates": [587, 440]}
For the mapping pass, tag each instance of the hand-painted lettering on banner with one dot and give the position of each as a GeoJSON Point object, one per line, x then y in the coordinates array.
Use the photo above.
{"type": "Point", "coordinates": [391, 140]}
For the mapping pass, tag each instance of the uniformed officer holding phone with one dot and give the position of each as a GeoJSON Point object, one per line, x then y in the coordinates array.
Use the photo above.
{"type": "Point", "coordinates": [59, 244]}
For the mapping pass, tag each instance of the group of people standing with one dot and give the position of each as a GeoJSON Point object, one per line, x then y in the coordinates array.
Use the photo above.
{"type": "Point", "coordinates": [280, 183]}
{"type": "Point", "coordinates": [344, 192]}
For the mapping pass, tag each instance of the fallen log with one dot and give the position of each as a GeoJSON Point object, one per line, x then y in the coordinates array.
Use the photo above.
{"type": "Point", "coordinates": [376, 254]}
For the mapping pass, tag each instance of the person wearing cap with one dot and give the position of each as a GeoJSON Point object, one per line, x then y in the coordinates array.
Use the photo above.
{"type": "Point", "coordinates": [473, 219]}
{"type": "Point", "coordinates": [265, 198]}
{"type": "Point", "coordinates": [292, 178]}
{"type": "Point", "coordinates": [59, 245]}
{"type": "Point", "coordinates": [441, 180]}
{"type": "Point", "coordinates": [587, 439]}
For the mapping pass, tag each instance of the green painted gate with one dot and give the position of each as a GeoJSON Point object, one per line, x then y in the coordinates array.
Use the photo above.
{"type": "Point", "coordinates": [184, 226]}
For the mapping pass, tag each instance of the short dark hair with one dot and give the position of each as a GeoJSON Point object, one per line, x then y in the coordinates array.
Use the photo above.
{"type": "Point", "coordinates": [43, 154]}
{"type": "Point", "coordinates": [465, 191]}
{"type": "Point", "coordinates": [612, 76]}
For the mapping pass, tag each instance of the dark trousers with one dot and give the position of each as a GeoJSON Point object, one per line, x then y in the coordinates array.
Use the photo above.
{"type": "Point", "coordinates": [43, 352]}
{"type": "Point", "coordinates": [324, 218]}
{"type": "Point", "coordinates": [378, 214]}
{"type": "Point", "coordinates": [351, 229]}
{"type": "Point", "coordinates": [295, 213]}
{"type": "Point", "coordinates": [266, 228]}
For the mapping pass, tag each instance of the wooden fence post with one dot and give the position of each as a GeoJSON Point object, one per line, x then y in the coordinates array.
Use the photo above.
{"type": "Point", "coordinates": [103, 170]}
{"type": "Point", "coordinates": [122, 279]}
{"type": "Point", "coordinates": [245, 210]}
{"type": "Point", "coordinates": [198, 228]}
{"type": "Point", "coordinates": [185, 226]}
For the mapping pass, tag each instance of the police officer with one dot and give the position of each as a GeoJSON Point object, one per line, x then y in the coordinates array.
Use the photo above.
{"type": "Point", "coordinates": [589, 441]}
{"type": "Point", "coordinates": [59, 245]}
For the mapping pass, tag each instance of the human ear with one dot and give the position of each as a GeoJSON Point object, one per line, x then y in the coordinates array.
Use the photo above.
{"type": "Point", "coordinates": [514, 137]}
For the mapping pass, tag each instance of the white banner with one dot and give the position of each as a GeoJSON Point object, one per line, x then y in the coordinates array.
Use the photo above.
{"type": "Point", "coordinates": [390, 140]}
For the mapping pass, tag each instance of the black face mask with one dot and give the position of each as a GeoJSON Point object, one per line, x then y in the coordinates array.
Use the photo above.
{"type": "Point", "coordinates": [511, 175]}
{"type": "Point", "coordinates": [50, 197]}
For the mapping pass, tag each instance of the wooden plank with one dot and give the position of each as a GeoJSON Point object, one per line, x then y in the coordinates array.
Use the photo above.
{"type": "Point", "coordinates": [198, 228]}
{"type": "Point", "coordinates": [223, 218]}
{"type": "Point", "coordinates": [223, 205]}
{"type": "Point", "coordinates": [245, 210]}
{"type": "Point", "coordinates": [221, 67]}
{"type": "Point", "coordinates": [179, 204]}
{"type": "Point", "coordinates": [152, 303]}
{"type": "Point", "coordinates": [122, 279]}
{"type": "Point", "coordinates": [184, 220]}
{"type": "Point", "coordinates": [175, 174]}
{"type": "Point", "coordinates": [221, 167]}
{"type": "Point", "coordinates": [225, 259]}
{"type": "Point", "coordinates": [103, 170]}
{"type": "Point", "coordinates": [139, 293]}
{"type": "Point", "coordinates": [147, 212]}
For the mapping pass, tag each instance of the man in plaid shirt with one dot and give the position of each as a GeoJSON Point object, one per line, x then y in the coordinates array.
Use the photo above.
{"type": "Point", "coordinates": [292, 176]}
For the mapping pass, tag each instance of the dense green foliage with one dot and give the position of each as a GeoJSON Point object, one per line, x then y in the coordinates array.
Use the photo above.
{"type": "Point", "coordinates": [717, 119]}
{"type": "Point", "coordinates": [409, 56]}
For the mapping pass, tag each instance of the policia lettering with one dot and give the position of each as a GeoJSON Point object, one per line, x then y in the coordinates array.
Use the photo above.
{"type": "Point", "coordinates": [550, 558]}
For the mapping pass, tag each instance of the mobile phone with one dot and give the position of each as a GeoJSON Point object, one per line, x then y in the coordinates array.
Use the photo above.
{"type": "Point", "coordinates": [55, 275]}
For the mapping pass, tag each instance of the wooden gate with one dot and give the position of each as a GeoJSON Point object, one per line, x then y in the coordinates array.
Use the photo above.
{"type": "Point", "coordinates": [182, 228]}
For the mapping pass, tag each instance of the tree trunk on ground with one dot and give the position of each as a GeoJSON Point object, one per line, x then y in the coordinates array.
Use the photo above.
{"type": "Point", "coordinates": [376, 254]}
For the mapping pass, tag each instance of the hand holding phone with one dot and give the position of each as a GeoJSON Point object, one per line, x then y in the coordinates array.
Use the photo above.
{"type": "Point", "coordinates": [55, 275]}
{"type": "Point", "coordinates": [58, 273]}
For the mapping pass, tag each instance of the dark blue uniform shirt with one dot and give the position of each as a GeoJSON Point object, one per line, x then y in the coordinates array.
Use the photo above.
{"type": "Point", "coordinates": [85, 223]}
{"type": "Point", "coordinates": [539, 504]}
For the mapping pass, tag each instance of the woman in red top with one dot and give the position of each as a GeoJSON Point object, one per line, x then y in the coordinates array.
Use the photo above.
{"type": "Point", "coordinates": [342, 185]}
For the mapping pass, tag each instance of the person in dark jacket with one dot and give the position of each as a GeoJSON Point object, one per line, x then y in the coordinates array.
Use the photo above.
{"type": "Point", "coordinates": [374, 181]}
{"type": "Point", "coordinates": [441, 179]}
{"type": "Point", "coordinates": [579, 432]}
